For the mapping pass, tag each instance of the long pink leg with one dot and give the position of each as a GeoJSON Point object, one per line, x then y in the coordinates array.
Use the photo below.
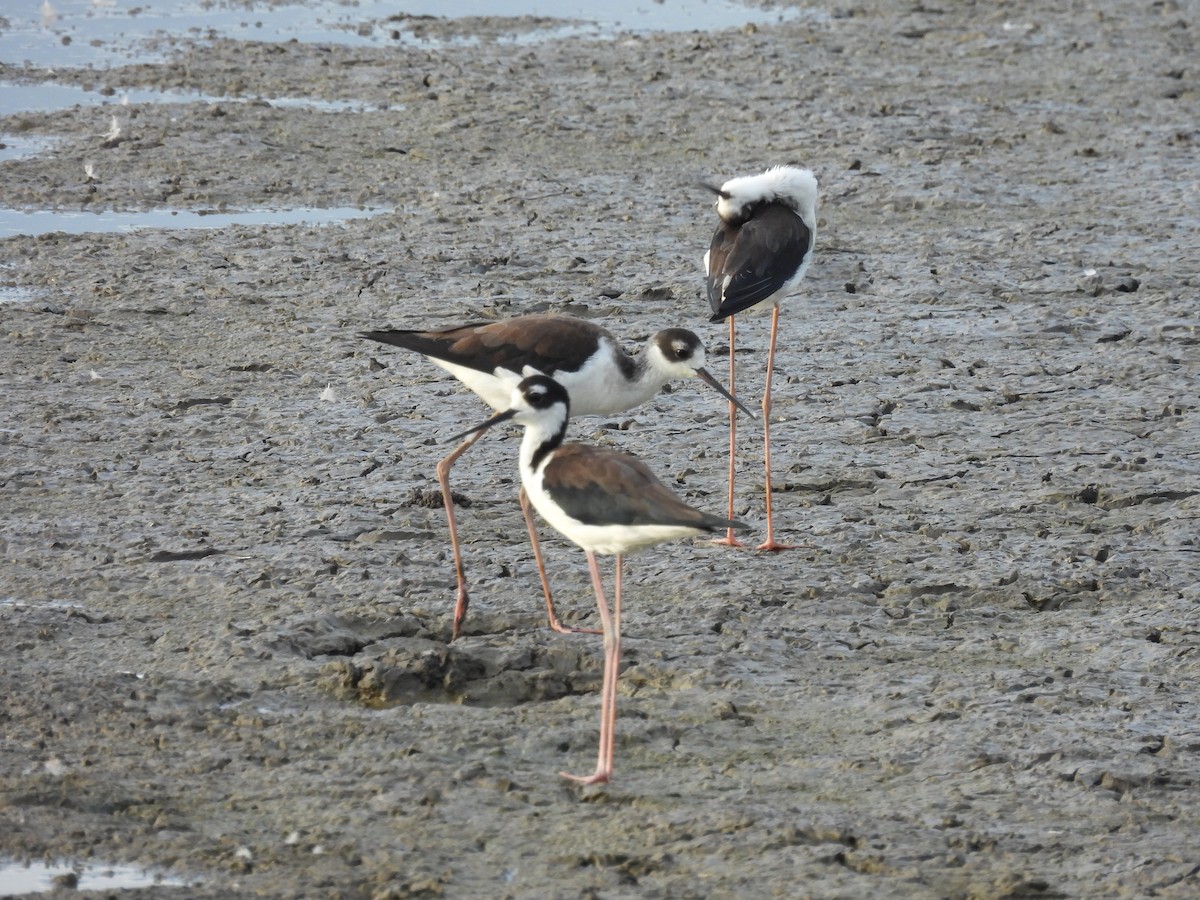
{"type": "Point", "coordinates": [443, 474]}
{"type": "Point", "coordinates": [770, 543]}
{"type": "Point", "coordinates": [531, 525]}
{"type": "Point", "coordinates": [729, 540]}
{"type": "Point", "coordinates": [612, 665]}
{"type": "Point", "coordinates": [613, 661]}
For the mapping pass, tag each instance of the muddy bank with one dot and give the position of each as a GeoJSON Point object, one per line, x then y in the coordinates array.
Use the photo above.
{"type": "Point", "coordinates": [225, 596]}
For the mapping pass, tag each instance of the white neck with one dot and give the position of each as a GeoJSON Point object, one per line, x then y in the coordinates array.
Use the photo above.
{"type": "Point", "coordinates": [543, 434]}
{"type": "Point", "coordinates": [593, 395]}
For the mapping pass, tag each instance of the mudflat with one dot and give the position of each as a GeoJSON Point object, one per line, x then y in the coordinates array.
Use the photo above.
{"type": "Point", "coordinates": [225, 591]}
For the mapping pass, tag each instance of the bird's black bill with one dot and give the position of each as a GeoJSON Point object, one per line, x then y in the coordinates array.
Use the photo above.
{"type": "Point", "coordinates": [494, 420]}
{"type": "Point", "coordinates": [384, 337]}
{"type": "Point", "coordinates": [714, 188]}
{"type": "Point", "coordinates": [706, 376]}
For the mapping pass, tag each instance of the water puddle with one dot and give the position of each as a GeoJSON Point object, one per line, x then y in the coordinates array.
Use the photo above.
{"type": "Point", "coordinates": [48, 96]}
{"type": "Point", "coordinates": [14, 147]}
{"type": "Point", "coordinates": [20, 878]}
{"type": "Point", "coordinates": [77, 33]}
{"type": "Point", "coordinates": [56, 34]}
{"type": "Point", "coordinates": [15, 222]}
{"type": "Point", "coordinates": [35, 604]}
{"type": "Point", "coordinates": [14, 295]}
{"type": "Point", "coordinates": [107, 33]}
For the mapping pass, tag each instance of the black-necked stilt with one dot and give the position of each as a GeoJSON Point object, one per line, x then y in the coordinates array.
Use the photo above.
{"type": "Point", "coordinates": [761, 250]}
{"type": "Point", "coordinates": [606, 502]}
{"type": "Point", "coordinates": [600, 377]}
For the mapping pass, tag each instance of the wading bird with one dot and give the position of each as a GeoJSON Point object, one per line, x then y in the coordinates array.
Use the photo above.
{"type": "Point", "coordinates": [606, 502]}
{"type": "Point", "coordinates": [761, 250]}
{"type": "Point", "coordinates": [600, 377]}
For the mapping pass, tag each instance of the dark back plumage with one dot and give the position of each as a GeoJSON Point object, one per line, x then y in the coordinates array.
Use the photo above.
{"type": "Point", "coordinates": [546, 342]}
{"type": "Point", "coordinates": [758, 252]}
{"type": "Point", "coordinates": [600, 486]}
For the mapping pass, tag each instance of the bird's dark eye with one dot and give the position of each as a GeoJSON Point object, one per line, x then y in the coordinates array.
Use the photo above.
{"type": "Point", "coordinates": [682, 350]}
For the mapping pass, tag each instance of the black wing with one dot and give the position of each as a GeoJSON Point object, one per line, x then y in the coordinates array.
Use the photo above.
{"type": "Point", "coordinates": [758, 257]}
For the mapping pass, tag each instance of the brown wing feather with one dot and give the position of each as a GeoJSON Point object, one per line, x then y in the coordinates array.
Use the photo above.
{"type": "Point", "coordinates": [546, 342]}
{"type": "Point", "coordinates": [599, 486]}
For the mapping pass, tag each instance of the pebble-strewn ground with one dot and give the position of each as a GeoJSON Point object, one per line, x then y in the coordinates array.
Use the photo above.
{"type": "Point", "coordinates": [224, 597]}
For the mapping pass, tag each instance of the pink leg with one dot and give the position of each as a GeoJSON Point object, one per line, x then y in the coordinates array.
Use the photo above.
{"type": "Point", "coordinates": [770, 543]}
{"type": "Point", "coordinates": [729, 540]}
{"type": "Point", "coordinates": [537, 555]}
{"type": "Point", "coordinates": [613, 661]}
{"type": "Point", "coordinates": [612, 665]}
{"type": "Point", "coordinates": [443, 474]}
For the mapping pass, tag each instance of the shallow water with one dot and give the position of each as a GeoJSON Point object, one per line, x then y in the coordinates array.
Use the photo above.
{"type": "Point", "coordinates": [22, 878]}
{"type": "Point", "coordinates": [13, 147]}
{"type": "Point", "coordinates": [15, 222]}
{"type": "Point", "coordinates": [103, 33]}
{"type": "Point", "coordinates": [108, 32]}
{"type": "Point", "coordinates": [16, 98]}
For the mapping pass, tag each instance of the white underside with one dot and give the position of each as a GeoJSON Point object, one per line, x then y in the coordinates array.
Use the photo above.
{"type": "Point", "coordinates": [602, 539]}
{"type": "Point", "coordinates": [595, 390]}
{"type": "Point", "coordinates": [495, 392]}
{"type": "Point", "coordinates": [609, 539]}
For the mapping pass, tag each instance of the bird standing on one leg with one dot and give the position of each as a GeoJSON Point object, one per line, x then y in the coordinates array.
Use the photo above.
{"type": "Point", "coordinates": [600, 377]}
{"type": "Point", "coordinates": [606, 502]}
{"type": "Point", "coordinates": [760, 251]}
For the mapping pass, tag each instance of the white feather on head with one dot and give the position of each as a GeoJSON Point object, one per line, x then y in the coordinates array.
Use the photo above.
{"type": "Point", "coordinates": [790, 185]}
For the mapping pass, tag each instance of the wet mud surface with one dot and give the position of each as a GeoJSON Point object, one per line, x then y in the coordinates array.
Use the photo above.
{"type": "Point", "coordinates": [226, 596]}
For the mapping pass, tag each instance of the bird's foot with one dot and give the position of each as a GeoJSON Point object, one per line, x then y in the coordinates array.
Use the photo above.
{"type": "Point", "coordinates": [728, 541]}
{"type": "Point", "coordinates": [460, 614]}
{"type": "Point", "coordinates": [598, 777]}
{"type": "Point", "coordinates": [773, 546]}
{"type": "Point", "coordinates": [558, 626]}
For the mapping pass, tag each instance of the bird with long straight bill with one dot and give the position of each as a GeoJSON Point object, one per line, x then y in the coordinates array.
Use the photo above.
{"type": "Point", "coordinates": [600, 377]}
{"type": "Point", "coordinates": [605, 501]}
